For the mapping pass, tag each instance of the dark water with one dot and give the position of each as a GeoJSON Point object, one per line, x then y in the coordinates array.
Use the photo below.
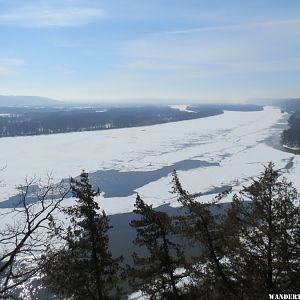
{"type": "Point", "coordinates": [274, 140]}
{"type": "Point", "coordinates": [122, 184]}
{"type": "Point", "coordinates": [121, 236]}
{"type": "Point", "coordinates": [115, 183]}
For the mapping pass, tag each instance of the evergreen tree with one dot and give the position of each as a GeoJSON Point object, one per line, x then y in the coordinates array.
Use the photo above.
{"type": "Point", "coordinates": [84, 268]}
{"type": "Point", "coordinates": [251, 249]}
{"type": "Point", "coordinates": [204, 227]}
{"type": "Point", "coordinates": [265, 257]}
{"type": "Point", "coordinates": [155, 274]}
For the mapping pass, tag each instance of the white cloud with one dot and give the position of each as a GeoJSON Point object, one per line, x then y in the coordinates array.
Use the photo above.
{"type": "Point", "coordinates": [217, 50]}
{"type": "Point", "coordinates": [51, 17]}
{"type": "Point", "coordinates": [9, 66]}
{"type": "Point", "coordinates": [235, 27]}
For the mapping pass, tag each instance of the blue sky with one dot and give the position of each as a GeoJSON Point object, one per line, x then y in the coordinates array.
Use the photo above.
{"type": "Point", "coordinates": [222, 50]}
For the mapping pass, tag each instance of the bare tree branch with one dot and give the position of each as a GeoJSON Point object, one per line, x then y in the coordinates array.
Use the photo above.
{"type": "Point", "coordinates": [28, 231]}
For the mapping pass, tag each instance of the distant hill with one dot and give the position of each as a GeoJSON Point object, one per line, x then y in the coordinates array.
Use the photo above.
{"type": "Point", "coordinates": [292, 104]}
{"type": "Point", "coordinates": [21, 101]}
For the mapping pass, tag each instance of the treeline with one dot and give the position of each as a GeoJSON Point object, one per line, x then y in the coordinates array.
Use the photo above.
{"type": "Point", "coordinates": [18, 121]}
{"type": "Point", "coordinates": [247, 251]}
{"type": "Point", "coordinates": [291, 135]}
{"type": "Point", "coordinates": [41, 121]}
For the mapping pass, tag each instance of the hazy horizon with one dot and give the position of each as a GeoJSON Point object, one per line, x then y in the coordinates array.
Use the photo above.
{"type": "Point", "coordinates": [20, 99]}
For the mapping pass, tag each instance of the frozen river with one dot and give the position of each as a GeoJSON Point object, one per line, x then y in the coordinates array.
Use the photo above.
{"type": "Point", "coordinates": [209, 153]}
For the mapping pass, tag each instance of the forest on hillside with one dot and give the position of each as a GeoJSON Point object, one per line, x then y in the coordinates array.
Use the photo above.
{"type": "Point", "coordinates": [291, 135]}
{"type": "Point", "coordinates": [23, 121]}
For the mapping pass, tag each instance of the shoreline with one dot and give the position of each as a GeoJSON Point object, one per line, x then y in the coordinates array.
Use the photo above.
{"type": "Point", "coordinates": [290, 149]}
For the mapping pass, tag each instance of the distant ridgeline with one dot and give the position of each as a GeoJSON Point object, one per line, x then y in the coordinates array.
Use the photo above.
{"type": "Point", "coordinates": [291, 136]}
{"type": "Point", "coordinates": [22, 121]}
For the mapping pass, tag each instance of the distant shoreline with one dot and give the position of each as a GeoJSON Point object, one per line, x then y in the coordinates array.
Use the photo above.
{"type": "Point", "coordinates": [22, 122]}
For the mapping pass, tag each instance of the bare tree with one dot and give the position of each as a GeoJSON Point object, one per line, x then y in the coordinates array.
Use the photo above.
{"type": "Point", "coordinates": [26, 231]}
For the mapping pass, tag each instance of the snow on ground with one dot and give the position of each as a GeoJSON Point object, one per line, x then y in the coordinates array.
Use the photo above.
{"type": "Point", "coordinates": [181, 107]}
{"type": "Point", "coordinates": [235, 140]}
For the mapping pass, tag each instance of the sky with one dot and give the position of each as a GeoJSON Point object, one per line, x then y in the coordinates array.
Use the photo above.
{"type": "Point", "coordinates": [112, 50]}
